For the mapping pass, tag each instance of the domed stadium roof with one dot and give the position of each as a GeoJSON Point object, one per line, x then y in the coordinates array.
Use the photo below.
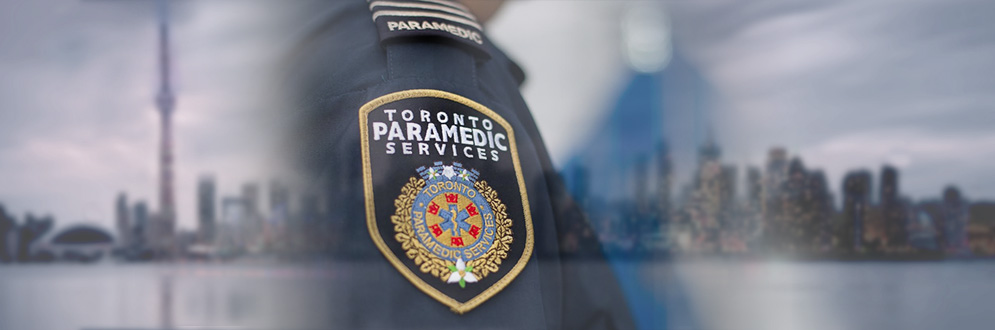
{"type": "Point", "coordinates": [83, 234]}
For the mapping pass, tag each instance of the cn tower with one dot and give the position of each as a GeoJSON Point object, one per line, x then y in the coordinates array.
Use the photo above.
{"type": "Point", "coordinates": [165, 102]}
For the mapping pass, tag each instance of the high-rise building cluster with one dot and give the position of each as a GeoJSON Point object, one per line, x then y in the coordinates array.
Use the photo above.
{"type": "Point", "coordinates": [786, 208]}
{"type": "Point", "coordinates": [234, 225]}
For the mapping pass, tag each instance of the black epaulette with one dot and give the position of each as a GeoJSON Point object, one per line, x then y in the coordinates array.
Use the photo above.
{"type": "Point", "coordinates": [400, 20]}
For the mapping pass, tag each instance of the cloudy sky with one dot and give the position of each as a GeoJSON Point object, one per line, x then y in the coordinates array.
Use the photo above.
{"type": "Point", "coordinates": [77, 119]}
{"type": "Point", "coordinates": [844, 84]}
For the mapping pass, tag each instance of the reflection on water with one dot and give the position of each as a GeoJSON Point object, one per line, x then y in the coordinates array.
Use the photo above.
{"type": "Point", "coordinates": [834, 295]}
{"type": "Point", "coordinates": [714, 294]}
{"type": "Point", "coordinates": [162, 296]}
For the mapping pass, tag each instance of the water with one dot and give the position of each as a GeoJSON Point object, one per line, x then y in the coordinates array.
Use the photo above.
{"type": "Point", "coordinates": [837, 295]}
{"type": "Point", "coordinates": [153, 296]}
{"type": "Point", "coordinates": [706, 294]}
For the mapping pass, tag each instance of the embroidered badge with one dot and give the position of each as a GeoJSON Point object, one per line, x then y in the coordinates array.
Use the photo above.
{"type": "Point", "coordinates": [446, 222]}
{"type": "Point", "coordinates": [445, 196]}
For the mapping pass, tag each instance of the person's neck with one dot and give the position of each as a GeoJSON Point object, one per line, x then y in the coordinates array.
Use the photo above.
{"type": "Point", "coordinates": [483, 9]}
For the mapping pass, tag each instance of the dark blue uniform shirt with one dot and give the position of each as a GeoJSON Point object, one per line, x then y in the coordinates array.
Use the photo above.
{"type": "Point", "coordinates": [342, 64]}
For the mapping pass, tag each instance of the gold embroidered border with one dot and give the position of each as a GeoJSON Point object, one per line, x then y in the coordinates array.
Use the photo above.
{"type": "Point", "coordinates": [491, 260]}
{"type": "Point", "coordinates": [487, 263]}
{"type": "Point", "coordinates": [371, 222]}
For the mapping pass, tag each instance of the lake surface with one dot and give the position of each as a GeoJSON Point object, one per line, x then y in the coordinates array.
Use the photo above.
{"type": "Point", "coordinates": [696, 294]}
{"type": "Point", "coordinates": [840, 295]}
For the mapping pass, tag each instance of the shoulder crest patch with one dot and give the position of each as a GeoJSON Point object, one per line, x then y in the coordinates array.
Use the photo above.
{"type": "Point", "coordinates": [445, 197]}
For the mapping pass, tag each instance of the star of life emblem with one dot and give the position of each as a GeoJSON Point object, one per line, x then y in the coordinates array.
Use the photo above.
{"type": "Point", "coordinates": [452, 227]}
{"type": "Point", "coordinates": [445, 195]}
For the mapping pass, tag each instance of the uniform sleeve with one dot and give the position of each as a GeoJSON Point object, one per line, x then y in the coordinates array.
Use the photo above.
{"type": "Point", "coordinates": [331, 81]}
{"type": "Point", "coordinates": [592, 296]}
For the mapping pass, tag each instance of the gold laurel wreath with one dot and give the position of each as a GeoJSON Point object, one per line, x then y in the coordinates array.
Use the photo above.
{"type": "Point", "coordinates": [438, 267]}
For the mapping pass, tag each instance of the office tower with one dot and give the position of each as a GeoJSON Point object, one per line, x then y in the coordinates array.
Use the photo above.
{"type": "Point", "coordinates": [819, 209]}
{"type": "Point", "coordinates": [893, 211]}
{"type": "Point", "coordinates": [206, 209]}
{"type": "Point", "coordinates": [754, 188]}
{"type": "Point", "coordinates": [727, 189]}
{"type": "Point", "coordinates": [123, 220]}
{"type": "Point", "coordinates": [787, 218]}
{"type": "Point", "coordinates": [777, 171]}
{"type": "Point", "coordinates": [954, 221]}
{"type": "Point", "coordinates": [856, 199]}
{"type": "Point", "coordinates": [250, 195]}
{"type": "Point", "coordinates": [140, 224]}
{"type": "Point", "coordinates": [665, 177]}
{"type": "Point", "coordinates": [709, 152]}
{"type": "Point", "coordinates": [233, 229]}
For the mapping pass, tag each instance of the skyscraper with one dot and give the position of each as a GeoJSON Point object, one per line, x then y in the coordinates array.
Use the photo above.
{"type": "Point", "coordinates": [140, 224]}
{"type": "Point", "coordinates": [774, 178]}
{"type": "Point", "coordinates": [233, 232]}
{"type": "Point", "coordinates": [819, 209]}
{"type": "Point", "coordinates": [788, 218]}
{"type": "Point", "coordinates": [709, 152]}
{"type": "Point", "coordinates": [856, 199]}
{"type": "Point", "coordinates": [710, 200]}
{"type": "Point", "coordinates": [889, 184]}
{"type": "Point", "coordinates": [954, 221]}
{"type": "Point", "coordinates": [777, 171]}
{"type": "Point", "coordinates": [754, 186]}
{"type": "Point", "coordinates": [123, 220]}
{"type": "Point", "coordinates": [206, 209]}
{"type": "Point", "coordinates": [665, 175]}
{"type": "Point", "coordinates": [165, 222]}
{"type": "Point", "coordinates": [727, 189]}
{"type": "Point", "coordinates": [279, 199]}
{"type": "Point", "coordinates": [253, 227]}
{"type": "Point", "coordinates": [893, 210]}
{"type": "Point", "coordinates": [250, 194]}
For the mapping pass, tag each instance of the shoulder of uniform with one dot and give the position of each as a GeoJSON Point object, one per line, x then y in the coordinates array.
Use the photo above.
{"type": "Point", "coordinates": [420, 20]}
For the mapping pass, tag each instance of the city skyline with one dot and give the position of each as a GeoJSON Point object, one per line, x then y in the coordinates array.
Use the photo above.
{"type": "Point", "coordinates": [787, 210]}
{"type": "Point", "coordinates": [96, 139]}
{"type": "Point", "coordinates": [69, 155]}
{"type": "Point", "coordinates": [820, 79]}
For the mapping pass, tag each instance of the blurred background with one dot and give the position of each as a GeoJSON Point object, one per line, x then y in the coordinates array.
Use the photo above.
{"type": "Point", "coordinates": [760, 165]}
